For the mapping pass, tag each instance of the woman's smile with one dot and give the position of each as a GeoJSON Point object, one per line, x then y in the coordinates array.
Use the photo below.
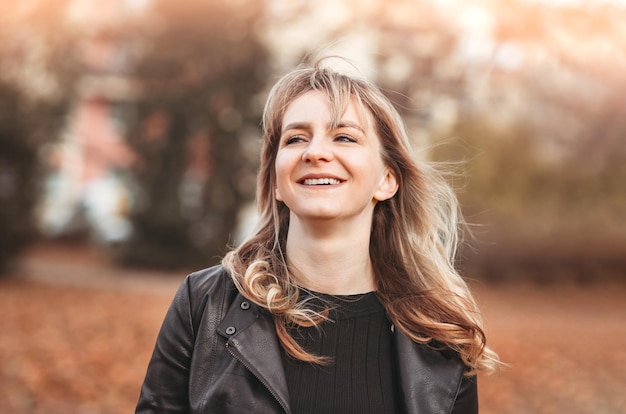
{"type": "Point", "coordinates": [317, 180]}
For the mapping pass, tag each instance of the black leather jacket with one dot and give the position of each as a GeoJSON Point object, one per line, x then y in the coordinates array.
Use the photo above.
{"type": "Point", "coordinates": [218, 353]}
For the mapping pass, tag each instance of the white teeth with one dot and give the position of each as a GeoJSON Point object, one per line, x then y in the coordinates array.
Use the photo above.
{"type": "Point", "coordinates": [321, 181]}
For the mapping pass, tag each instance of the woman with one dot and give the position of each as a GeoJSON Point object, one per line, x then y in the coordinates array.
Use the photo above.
{"type": "Point", "coordinates": [345, 299]}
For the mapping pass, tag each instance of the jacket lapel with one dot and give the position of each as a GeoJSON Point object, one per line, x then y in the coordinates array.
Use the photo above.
{"type": "Point", "coordinates": [252, 340]}
{"type": "Point", "coordinates": [428, 380]}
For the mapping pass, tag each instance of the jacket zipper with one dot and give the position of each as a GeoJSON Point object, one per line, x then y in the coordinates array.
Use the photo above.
{"type": "Point", "coordinates": [249, 368]}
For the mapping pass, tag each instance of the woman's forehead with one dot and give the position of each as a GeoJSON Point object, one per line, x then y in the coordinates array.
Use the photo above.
{"type": "Point", "coordinates": [342, 108]}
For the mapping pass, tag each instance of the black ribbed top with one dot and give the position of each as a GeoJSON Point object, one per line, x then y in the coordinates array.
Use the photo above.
{"type": "Point", "coordinates": [359, 340]}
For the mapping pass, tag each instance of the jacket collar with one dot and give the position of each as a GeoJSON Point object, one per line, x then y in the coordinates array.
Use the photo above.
{"type": "Point", "coordinates": [252, 340]}
{"type": "Point", "coordinates": [428, 379]}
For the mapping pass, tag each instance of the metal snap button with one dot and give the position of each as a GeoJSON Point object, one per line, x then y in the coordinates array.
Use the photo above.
{"type": "Point", "coordinates": [230, 330]}
{"type": "Point", "coordinates": [245, 305]}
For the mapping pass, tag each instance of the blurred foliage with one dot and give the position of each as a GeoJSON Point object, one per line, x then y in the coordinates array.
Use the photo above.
{"type": "Point", "coordinates": [511, 172]}
{"type": "Point", "coordinates": [17, 176]}
{"type": "Point", "coordinates": [33, 63]}
{"type": "Point", "coordinates": [25, 126]}
{"type": "Point", "coordinates": [550, 214]}
{"type": "Point", "coordinates": [195, 131]}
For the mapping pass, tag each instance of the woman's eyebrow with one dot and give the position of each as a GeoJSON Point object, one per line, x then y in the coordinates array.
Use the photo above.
{"type": "Point", "coordinates": [296, 125]}
{"type": "Point", "coordinates": [349, 124]}
{"type": "Point", "coordinates": [307, 126]}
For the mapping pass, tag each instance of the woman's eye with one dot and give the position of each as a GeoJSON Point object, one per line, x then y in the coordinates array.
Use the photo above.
{"type": "Point", "coordinates": [345, 138]}
{"type": "Point", "coordinates": [294, 140]}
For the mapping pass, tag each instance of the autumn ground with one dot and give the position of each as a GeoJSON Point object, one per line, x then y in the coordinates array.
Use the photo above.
{"type": "Point", "coordinates": [76, 334]}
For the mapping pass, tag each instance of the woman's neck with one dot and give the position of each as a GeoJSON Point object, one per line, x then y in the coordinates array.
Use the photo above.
{"type": "Point", "coordinates": [330, 260]}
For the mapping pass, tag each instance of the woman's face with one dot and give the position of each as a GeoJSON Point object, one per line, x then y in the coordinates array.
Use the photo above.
{"type": "Point", "coordinates": [326, 172]}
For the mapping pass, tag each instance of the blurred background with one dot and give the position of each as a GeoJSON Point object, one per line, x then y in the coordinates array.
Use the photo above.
{"type": "Point", "coordinates": [129, 143]}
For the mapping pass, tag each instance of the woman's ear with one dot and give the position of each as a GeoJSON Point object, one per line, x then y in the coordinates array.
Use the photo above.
{"type": "Point", "coordinates": [277, 195]}
{"type": "Point", "coordinates": [387, 188]}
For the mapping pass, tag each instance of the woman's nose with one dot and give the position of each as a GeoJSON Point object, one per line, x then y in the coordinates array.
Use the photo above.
{"type": "Point", "coordinates": [317, 150]}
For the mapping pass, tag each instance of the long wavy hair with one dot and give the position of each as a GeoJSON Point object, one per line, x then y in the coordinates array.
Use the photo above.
{"type": "Point", "coordinates": [414, 235]}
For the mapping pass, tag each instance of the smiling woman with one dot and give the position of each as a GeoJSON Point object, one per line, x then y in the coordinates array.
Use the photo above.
{"type": "Point", "coordinates": [345, 299]}
{"type": "Point", "coordinates": [326, 171]}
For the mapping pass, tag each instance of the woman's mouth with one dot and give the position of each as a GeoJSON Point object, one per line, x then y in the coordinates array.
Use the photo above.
{"type": "Point", "coordinates": [321, 181]}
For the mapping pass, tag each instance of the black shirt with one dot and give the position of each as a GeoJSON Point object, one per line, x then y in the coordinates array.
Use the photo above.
{"type": "Point", "coordinates": [360, 379]}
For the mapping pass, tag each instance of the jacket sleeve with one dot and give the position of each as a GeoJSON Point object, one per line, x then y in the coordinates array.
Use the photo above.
{"type": "Point", "coordinates": [165, 387]}
{"type": "Point", "coordinates": [467, 397]}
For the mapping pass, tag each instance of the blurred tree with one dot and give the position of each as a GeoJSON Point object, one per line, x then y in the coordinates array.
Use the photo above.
{"type": "Point", "coordinates": [34, 63]}
{"type": "Point", "coordinates": [195, 130]}
{"type": "Point", "coordinates": [547, 217]}
{"type": "Point", "coordinates": [25, 126]}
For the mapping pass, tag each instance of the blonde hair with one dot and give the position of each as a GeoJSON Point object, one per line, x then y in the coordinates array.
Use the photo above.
{"type": "Point", "coordinates": [413, 241]}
